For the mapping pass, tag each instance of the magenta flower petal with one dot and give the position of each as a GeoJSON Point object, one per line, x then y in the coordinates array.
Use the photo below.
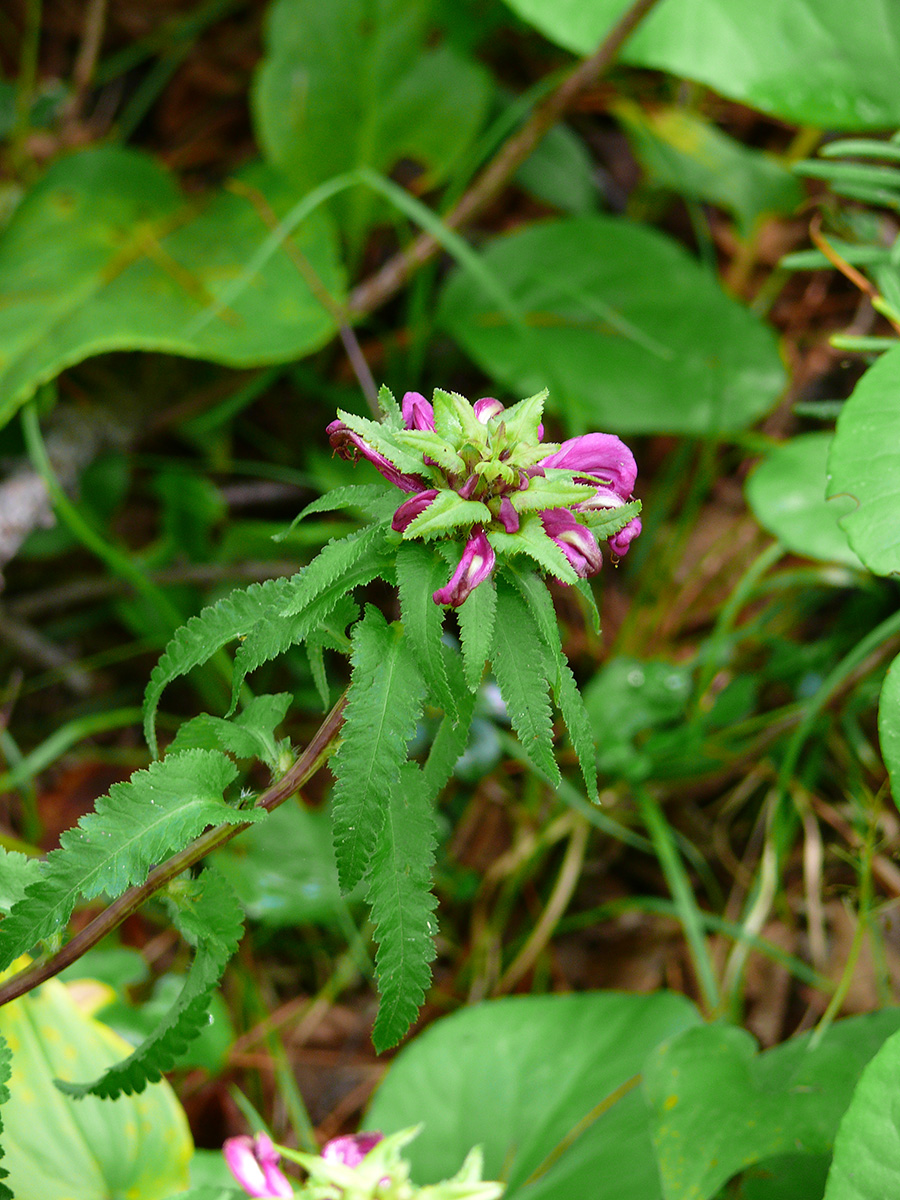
{"type": "Point", "coordinates": [600, 454]}
{"type": "Point", "coordinates": [418, 412]}
{"type": "Point", "coordinates": [508, 517]}
{"type": "Point", "coordinates": [350, 1149]}
{"type": "Point", "coordinates": [620, 541]}
{"type": "Point", "coordinates": [254, 1164]}
{"type": "Point", "coordinates": [410, 509]}
{"type": "Point", "coordinates": [350, 445]}
{"type": "Point", "coordinates": [486, 408]}
{"type": "Point", "coordinates": [475, 567]}
{"type": "Point", "coordinates": [577, 542]}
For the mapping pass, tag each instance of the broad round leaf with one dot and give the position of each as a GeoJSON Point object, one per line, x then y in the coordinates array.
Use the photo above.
{"type": "Point", "coordinates": [810, 61]}
{"type": "Point", "coordinates": [103, 254]}
{"type": "Point", "coordinates": [787, 495]}
{"type": "Point", "coordinates": [865, 464]}
{"type": "Point", "coordinates": [58, 1148]}
{"type": "Point", "coordinates": [627, 330]}
{"type": "Point", "coordinates": [866, 1164]}
{"type": "Point", "coordinates": [516, 1075]}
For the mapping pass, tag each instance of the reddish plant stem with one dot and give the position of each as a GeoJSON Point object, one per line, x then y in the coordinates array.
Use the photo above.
{"type": "Point", "coordinates": [389, 279]}
{"type": "Point", "coordinates": [313, 757]}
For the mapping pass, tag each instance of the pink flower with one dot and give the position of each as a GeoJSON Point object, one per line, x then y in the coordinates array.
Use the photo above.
{"type": "Point", "coordinates": [410, 509]}
{"type": "Point", "coordinates": [417, 411]}
{"type": "Point", "coordinates": [577, 543]}
{"type": "Point", "coordinates": [475, 567]}
{"type": "Point", "coordinates": [350, 445]}
{"type": "Point", "coordinates": [350, 1149]}
{"type": "Point", "coordinates": [254, 1164]}
{"type": "Point", "coordinates": [600, 454]}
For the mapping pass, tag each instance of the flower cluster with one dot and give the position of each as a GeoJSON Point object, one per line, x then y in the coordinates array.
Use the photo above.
{"type": "Point", "coordinates": [359, 1166]}
{"type": "Point", "coordinates": [482, 475]}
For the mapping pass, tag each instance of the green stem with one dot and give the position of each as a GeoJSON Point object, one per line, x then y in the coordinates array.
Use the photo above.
{"type": "Point", "coordinates": [682, 893]}
{"type": "Point", "coordinates": [316, 753]}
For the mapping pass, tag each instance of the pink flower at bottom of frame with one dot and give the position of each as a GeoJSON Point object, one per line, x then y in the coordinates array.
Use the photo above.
{"type": "Point", "coordinates": [254, 1164]}
{"type": "Point", "coordinates": [350, 1149]}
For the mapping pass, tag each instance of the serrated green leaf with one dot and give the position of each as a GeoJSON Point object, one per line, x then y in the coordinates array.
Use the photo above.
{"type": "Point", "coordinates": [376, 500]}
{"type": "Point", "coordinates": [565, 690]}
{"type": "Point", "coordinates": [523, 671]}
{"type": "Point", "coordinates": [454, 418]}
{"type": "Point", "coordinates": [251, 734]}
{"type": "Point", "coordinates": [210, 918]}
{"type": "Point", "coordinates": [475, 617]}
{"type": "Point", "coordinates": [403, 906]}
{"type": "Point", "coordinates": [551, 491]}
{"type": "Point", "coordinates": [604, 522]}
{"type": "Point", "coordinates": [232, 617]}
{"type": "Point", "coordinates": [339, 568]}
{"type": "Point", "coordinates": [523, 420]}
{"type": "Point", "coordinates": [420, 572]}
{"type": "Point", "coordinates": [315, 655]}
{"type": "Point", "coordinates": [447, 512]}
{"type": "Point", "coordinates": [384, 703]}
{"type": "Point", "coordinates": [532, 540]}
{"type": "Point", "coordinates": [393, 414]}
{"type": "Point", "coordinates": [452, 736]}
{"type": "Point", "coordinates": [17, 871]}
{"type": "Point", "coordinates": [584, 586]}
{"type": "Point", "coordinates": [429, 444]}
{"type": "Point", "coordinates": [140, 823]}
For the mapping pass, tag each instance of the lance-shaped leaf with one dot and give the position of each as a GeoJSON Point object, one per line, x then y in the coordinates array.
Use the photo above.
{"type": "Point", "coordinates": [376, 500]}
{"type": "Point", "coordinates": [199, 639]}
{"type": "Point", "coordinates": [403, 905]}
{"type": "Point", "coordinates": [524, 670]}
{"type": "Point", "coordinates": [452, 736]}
{"type": "Point", "coordinates": [210, 918]}
{"type": "Point", "coordinates": [565, 689]}
{"type": "Point", "coordinates": [384, 703]}
{"type": "Point", "coordinates": [532, 540]}
{"type": "Point", "coordinates": [140, 823]}
{"type": "Point", "coordinates": [476, 629]}
{"type": "Point", "coordinates": [420, 572]}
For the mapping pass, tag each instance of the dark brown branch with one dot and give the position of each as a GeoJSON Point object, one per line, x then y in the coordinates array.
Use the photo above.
{"type": "Point", "coordinates": [309, 762]}
{"type": "Point", "coordinates": [386, 282]}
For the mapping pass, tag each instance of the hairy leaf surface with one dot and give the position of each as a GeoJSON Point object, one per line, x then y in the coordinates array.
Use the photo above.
{"type": "Point", "coordinates": [384, 703]}
{"type": "Point", "coordinates": [232, 617]}
{"type": "Point", "coordinates": [523, 670]}
{"type": "Point", "coordinates": [140, 823]}
{"type": "Point", "coordinates": [211, 919]}
{"type": "Point", "coordinates": [403, 905]}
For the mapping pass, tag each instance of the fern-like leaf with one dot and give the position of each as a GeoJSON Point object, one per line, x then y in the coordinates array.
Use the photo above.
{"type": "Point", "coordinates": [523, 670]}
{"type": "Point", "coordinates": [314, 600]}
{"type": "Point", "coordinates": [420, 572]}
{"type": "Point", "coordinates": [475, 617]}
{"type": "Point", "coordinates": [140, 823]}
{"type": "Point", "coordinates": [403, 906]}
{"type": "Point", "coordinates": [195, 642]}
{"type": "Point", "coordinates": [384, 703]}
{"type": "Point", "coordinates": [210, 918]}
{"type": "Point", "coordinates": [5, 1072]}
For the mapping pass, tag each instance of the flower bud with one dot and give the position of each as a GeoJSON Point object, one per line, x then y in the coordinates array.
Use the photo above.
{"type": "Point", "coordinates": [350, 1149]}
{"type": "Point", "coordinates": [254, 1164]}
{"type": "Point", "coordinates": [418, 412]}
{"type": "Point", "coordinates": [577, 543]}
{"type": "Point", "coordinates": [475, 567]}
{"type": "Point", "coordinates": [410, 509]}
